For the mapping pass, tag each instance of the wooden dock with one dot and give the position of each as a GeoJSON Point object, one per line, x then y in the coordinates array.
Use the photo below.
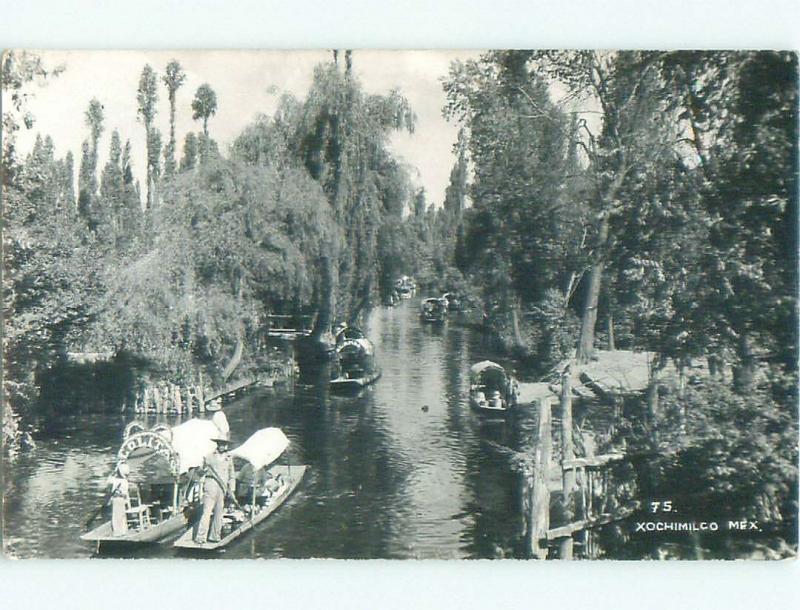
{"type": "Point", "coordinates": [231, 388]}
{"type": "Point", "coordinates": [289, 327]}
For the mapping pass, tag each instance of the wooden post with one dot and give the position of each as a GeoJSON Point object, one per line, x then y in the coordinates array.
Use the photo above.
{"type": "Point", "coordinates": [177, 401]}
{"type": "Point", "coordinates": [565, 548]}
{"type": "Point", "coordinates": [201, 395]}
{"type": "Point", "coordinates": [652, 407]}
{"type": "Point", "coordinates": [539, 521]}
{"type": "Point", "coordinates": [567, 445]}
{"type": "Point", "coordinates": [584, 511]}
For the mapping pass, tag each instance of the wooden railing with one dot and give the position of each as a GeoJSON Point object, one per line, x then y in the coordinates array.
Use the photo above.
{"type": "Point", "coordinates": [587, 475]}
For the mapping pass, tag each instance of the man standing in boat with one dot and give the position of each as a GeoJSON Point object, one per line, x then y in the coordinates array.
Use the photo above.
{"type": "Point", "coordinates": [220, 482]}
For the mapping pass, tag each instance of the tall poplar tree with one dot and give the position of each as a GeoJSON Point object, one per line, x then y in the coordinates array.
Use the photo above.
{"type": "Point", "coordinates": [147, 97]}
{"type": "Point", "coordinates": [173, 78]}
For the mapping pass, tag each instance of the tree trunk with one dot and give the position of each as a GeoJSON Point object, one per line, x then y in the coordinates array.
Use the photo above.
{"type": "Point", "coordinates": [745, 372]}
{"type": "Point", "coordinates": [612, 344]}
{"type": "Point", "coordinates": [589, 319]}
{"type": "Point", "coordinates": [518, 340]}
{"type": "Point", "coordinates": [235, 359]}
{"type": "Point", "coordinates": [327, 301]}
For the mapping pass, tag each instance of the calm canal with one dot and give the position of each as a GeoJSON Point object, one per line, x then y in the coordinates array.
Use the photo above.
{"type": "Point", "coordinates": [401, 471]}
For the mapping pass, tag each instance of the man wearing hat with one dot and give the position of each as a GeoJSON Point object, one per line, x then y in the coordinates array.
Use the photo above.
{"type": "Point", "coordinates": [219, 419]}
{"type": "Point", "coordinates": [119, 498]}
{"type": "Point", "coordinates": [220, 482]}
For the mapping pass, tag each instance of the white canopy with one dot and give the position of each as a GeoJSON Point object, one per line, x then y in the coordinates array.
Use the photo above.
{"type": "Point", "coordinates": [192, 442]}
{"type": "Point", "coordinates": [485, 365]}
{"type": "Point", "coordinates": [263, 447]}
{"type": "Point", "coordinates": [363, 344]}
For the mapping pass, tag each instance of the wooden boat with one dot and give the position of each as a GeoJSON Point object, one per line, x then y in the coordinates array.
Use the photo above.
{"type": "Point", "coordinates": [163, 463]}
{"type": "Point", "coordinates": [405, 287]}
{"type": "Point", "coordinates": [452, 300]}
{"type": "Point", "coordinates": [345, 332]}
{"type": "Point", "coordinates": [361, 380]}
{"type": "Point", "coordinates": [491, 391]}
{"type": "Point", "coordinates": [354, 366]}
{"type": "Point", "coordinates": [262, 486]}
{"type": "Point", "coordinates": [433, 310]}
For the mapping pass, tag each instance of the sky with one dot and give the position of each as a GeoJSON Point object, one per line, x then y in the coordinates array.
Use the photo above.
{"type": "Point", "coordinates": [246, 83]}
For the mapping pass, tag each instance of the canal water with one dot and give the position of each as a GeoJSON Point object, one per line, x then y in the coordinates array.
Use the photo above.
{"type": "Point", "coordinates": [403, 470]}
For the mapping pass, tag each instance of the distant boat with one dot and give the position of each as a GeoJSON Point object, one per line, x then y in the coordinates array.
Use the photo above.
{"type": "Point", "coordinates": [433, 310]}
{"type": "Point", "coordinates": [261, 485]}
{"type": "Point", "coordinates": [405, 287]}
{"type": "Point", "coordinates": [354, 364]}
{"type": "Point", "coordinates": [452, 300]}
{"type": "Point", "coordinates": [164, 461]}
{"type": "Point", "coordinates": [491, 389]}
{"type": "Point", "coordinates": [391, 299]}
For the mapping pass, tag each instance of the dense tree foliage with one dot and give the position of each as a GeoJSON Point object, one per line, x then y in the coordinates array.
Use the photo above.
{"type": "Point", "coordinates": [338, 135]}
{"type": "Point", "coordinates": [675, 176]}
{"type": "Point", "coordinates": [523, 235]}
{"type": "Point", "coordinates": [189, 283]}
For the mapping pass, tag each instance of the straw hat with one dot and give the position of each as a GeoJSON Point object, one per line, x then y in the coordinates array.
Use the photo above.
{"type": "Point", "coordinates": [123, 469]}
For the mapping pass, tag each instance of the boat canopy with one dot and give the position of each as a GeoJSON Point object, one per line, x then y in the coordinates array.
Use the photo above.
{"type": "Point", "coordinates": [433, 303]}
{"type": "Point", "coordinates": [486, 368]}
{"type": "Point", "coordinates": [360, 346]}
{"type": "Point", "coordinates": [192, 442]}
{"type": "Point", "coordinates": [263, 447]}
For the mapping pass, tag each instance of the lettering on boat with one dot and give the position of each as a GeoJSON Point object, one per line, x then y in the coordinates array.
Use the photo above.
{"type": "Point", "coordinates": [153, 441]}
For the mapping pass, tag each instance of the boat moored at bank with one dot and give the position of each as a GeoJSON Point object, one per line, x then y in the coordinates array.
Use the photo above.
{"type": "Point", "coordinates": [354, 364]}
{"type": "Point", "coordinates": [492, 390]}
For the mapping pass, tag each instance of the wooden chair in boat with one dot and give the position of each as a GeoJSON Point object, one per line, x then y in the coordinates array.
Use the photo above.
{"type": "Point", "coordinates": [138, 514]}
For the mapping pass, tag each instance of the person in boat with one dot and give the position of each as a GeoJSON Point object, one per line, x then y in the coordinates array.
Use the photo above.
{"type": "Point", "coordinates": [219, 419]}
{"type": "Point", "coordinates": [220, 483]}
{"type": "Point", "coordinates": [263, 482]}
{"type": "Point", "coordinates": [120, 490]}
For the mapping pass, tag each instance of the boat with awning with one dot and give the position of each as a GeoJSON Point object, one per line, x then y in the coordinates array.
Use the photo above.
{"type": "Point", "coordinates": [491, 389]}
{"type": "Point", "coordinates": [163, 480]}
{"type": "Point", "coordinates": [262, 485]}
{"type": "Point", "coordinates": [354, 364]}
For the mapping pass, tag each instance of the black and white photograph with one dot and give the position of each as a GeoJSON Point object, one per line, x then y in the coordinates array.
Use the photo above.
{"type": "Point", "coordinates": [413, 304]}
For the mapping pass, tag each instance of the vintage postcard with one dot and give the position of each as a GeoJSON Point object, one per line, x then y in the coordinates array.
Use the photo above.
{"type": "Point", "coordinates": [400, 304]}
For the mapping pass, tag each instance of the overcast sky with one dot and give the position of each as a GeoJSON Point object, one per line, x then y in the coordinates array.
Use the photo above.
{"type": "Point", "coordinates": [246, 83]}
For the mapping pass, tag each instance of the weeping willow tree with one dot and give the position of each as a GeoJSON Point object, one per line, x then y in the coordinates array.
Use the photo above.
{"type": "Point", "coordinates": [232, 241]}
{"type": "Point", "coordinates": [339, 135]}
